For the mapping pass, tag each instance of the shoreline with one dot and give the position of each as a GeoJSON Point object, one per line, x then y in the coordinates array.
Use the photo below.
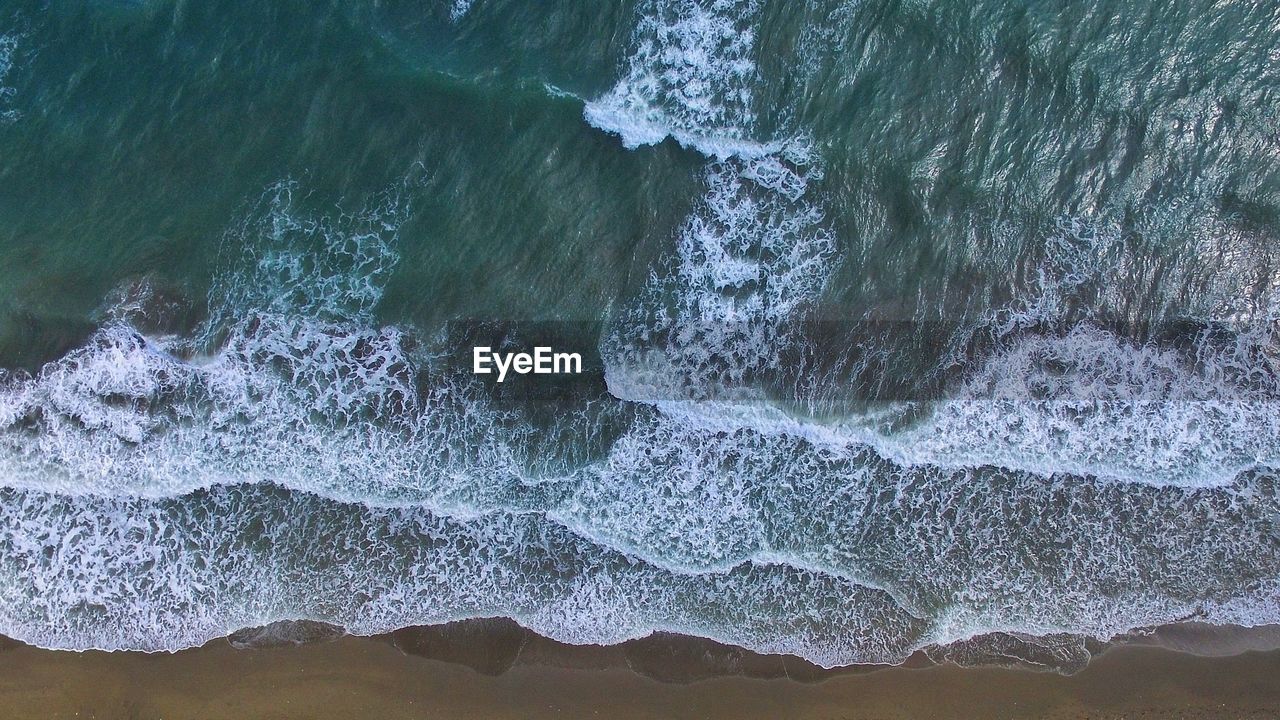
{"type": "Point", "coordinates": [493, 645]}
{"type": "Point", "coordinates": [495, 669]}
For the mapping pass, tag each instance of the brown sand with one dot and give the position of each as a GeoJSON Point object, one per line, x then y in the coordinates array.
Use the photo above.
{"type": "Point", "coordinates": [370, 678]}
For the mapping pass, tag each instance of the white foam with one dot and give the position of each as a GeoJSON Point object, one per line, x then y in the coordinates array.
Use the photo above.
{"type": "Point", "coordinates": [1085, 401]}
{"type": "Point", "coordinates": [302, 390]}
{"type": "Point", "coordinates": [458, 9]}
{"type": "Point", "coordinates": [1089, 403]}
{"type": "Point", "coordinates": [754, 253]}
{"type": "Point", "coordinates": [749, 259]}
{"type": "Point", "coordinates": [969, 554]}
{"type": "Point", "coordinates": [1055, 393]}
{"type": "Point", "coordinates": [8, 50]}
{"type": "Point", "coordinates": [116, 574]}
{"type": "Point", "coordinates": [767, 540]}
{"type": "Point", "coordinates": [689, 77]}
{"type": "Point", "coordinates": [280, 260]}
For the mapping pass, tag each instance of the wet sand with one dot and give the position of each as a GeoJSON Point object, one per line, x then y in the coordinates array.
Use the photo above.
{"type": "Point", "coordinates": [388, 677]}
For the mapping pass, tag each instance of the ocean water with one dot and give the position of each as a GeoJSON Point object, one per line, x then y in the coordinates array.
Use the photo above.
{"type": "Point", "coordinates": [907, 325]}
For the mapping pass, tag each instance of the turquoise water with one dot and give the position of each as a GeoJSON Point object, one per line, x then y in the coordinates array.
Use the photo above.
{"type": "Point", "coordinates": [904, 323]}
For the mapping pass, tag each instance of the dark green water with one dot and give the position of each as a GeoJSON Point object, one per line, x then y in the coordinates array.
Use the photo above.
{"type": "Point", "coordinates": [903, 322]}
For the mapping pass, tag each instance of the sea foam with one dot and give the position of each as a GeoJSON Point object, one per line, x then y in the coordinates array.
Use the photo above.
{"type": "Point", "coordinates": [158, 497]}
{"type": "Point", "coordinates": [8, 50]}
{"type": "Point", "coordinates": [689, 76]}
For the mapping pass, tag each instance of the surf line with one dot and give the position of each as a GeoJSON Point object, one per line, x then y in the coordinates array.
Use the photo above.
{"type": "Point", "coordinates": [543, 361]}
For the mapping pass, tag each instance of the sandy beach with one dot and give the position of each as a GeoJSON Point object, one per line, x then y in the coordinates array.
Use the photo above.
{"type": "Point", "coordinates": [371, 677]}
